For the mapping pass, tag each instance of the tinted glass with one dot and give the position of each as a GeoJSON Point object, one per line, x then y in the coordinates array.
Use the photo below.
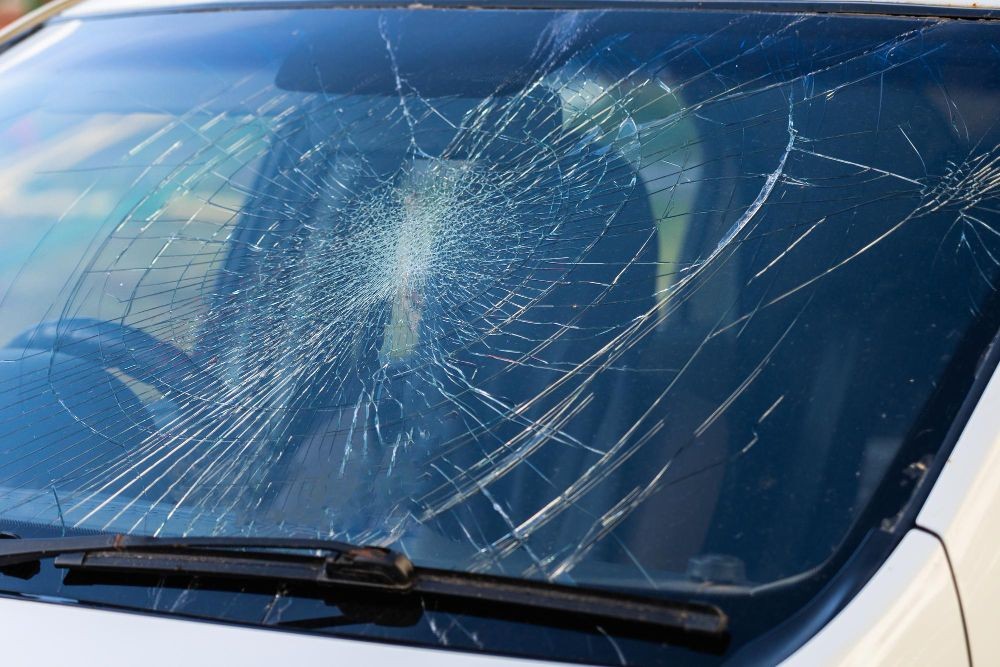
{"type": "Point", "coordinates": [643, 299]}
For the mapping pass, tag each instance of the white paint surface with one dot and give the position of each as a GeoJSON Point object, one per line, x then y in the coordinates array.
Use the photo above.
{"type": "Point", "coordinates": [906, 615]}
{"type": "Point", "coordinates": [964, 510]}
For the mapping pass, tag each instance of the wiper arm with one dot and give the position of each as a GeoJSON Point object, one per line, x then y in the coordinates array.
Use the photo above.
{"type": "Point", "coordinates": [239, 557]}
{"type": "Point", "coordinates": [341, 565]}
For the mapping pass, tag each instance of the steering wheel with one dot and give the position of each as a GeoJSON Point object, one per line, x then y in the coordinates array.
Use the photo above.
{"type": "Point", "coordinates": [132, 351]}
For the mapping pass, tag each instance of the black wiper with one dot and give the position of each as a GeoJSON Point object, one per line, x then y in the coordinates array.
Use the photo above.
{"type": "Point", "coordinates": [240, 557]}
{"type": "Point", "coordinates": [340, 565]}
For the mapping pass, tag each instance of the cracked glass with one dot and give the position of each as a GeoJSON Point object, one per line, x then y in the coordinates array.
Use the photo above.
{"type": "Point", "coordinates": [627, 298]}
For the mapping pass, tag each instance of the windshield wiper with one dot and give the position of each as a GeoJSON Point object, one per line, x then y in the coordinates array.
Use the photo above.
{"type": "Point", "coordinates": [341, 565]}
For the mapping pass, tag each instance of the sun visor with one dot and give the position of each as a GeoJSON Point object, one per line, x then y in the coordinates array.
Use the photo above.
{"type": "Point", "coordinates": [418, 53]}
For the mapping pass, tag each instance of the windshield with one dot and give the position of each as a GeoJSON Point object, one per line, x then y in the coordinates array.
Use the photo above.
{"type": "Point", "coordinates": [621, 298]}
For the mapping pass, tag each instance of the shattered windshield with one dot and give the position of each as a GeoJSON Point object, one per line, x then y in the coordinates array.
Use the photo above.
{"type": "Point", "coordinates": [627, 298]}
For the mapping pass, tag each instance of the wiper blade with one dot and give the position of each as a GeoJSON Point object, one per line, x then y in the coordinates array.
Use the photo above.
{"type": "Point", "coordinates": [341, 565]}
{"type": "Point", "coordinates": [702, 620]}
